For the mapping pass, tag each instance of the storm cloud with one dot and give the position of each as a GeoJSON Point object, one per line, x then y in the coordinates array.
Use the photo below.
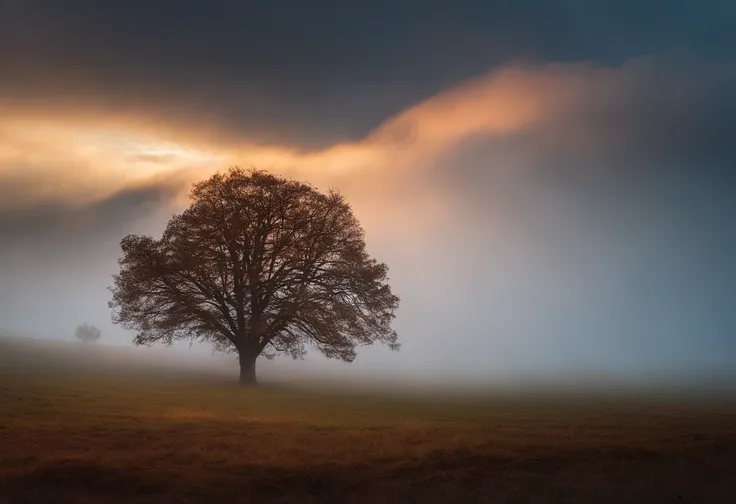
{"type": "Point", "coordinates": [266, 70]}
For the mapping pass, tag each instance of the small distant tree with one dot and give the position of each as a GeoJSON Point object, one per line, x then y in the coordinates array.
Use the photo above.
{"type": "Point", "coordinates": [87, 333]}
{"type": "Point", "coordinates": [259, 265]}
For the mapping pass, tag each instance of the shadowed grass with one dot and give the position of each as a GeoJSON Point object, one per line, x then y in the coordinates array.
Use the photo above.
{"type": "Point", "coordinates": [98, 435]}
{"type": "Point", "coordinates": [110, 439]}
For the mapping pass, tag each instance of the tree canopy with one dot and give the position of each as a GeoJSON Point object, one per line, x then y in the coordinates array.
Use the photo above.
{"type": "Point", "coordinates": [259, 265]}
{"type": "Point", "coordinates": [87, 333]}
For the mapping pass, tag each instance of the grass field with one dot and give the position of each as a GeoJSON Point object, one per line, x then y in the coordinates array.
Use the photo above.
{"type": "Point", "coordinates": [73, 437]}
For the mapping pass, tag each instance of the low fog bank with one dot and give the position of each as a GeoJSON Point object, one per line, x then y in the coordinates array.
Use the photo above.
{"type": "Point", "coordinates": [22, 357]}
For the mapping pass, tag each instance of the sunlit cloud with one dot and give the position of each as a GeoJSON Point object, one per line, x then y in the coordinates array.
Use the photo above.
{"type": "Point", "coordinates": [108, 151]}
{"type": "Point", "coordinates": [87, 155]}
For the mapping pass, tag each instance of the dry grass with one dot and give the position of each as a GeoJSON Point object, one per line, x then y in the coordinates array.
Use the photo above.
{"type": "Point", "coordinates": [85, 439]}
{"type": "Point", "coordinates": [83, 432]}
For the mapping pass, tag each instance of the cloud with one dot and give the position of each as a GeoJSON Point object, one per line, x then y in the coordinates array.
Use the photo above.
{"type": "Point", "coordinates": [98, 151]}
{"type": "Point", "coordinates": [78, 224]}
{"type": "Point", "coordinates": [545, 215]}
{"type": "Point", "coordinates": [312, 75]}
{"type": "Point", "coordinates": [556, 120]}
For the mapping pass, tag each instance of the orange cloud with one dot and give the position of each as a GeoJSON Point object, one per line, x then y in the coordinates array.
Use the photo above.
{"type": "Point", "coordinates": [88, 153]}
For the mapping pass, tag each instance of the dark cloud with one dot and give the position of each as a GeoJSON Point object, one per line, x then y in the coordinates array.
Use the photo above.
{"type": "Point", "coordinates": [312, 73]}
{"type": "Point", "coordinates": [667, 120]}
{"type": "Point", "coordinates": [50, 224]}
{"type": "Point", "coordinates": [673, 110]}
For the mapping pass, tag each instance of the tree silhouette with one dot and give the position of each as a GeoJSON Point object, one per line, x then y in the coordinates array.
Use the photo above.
{"type": "Point", "coordinates": [259, 265]}
{"type": "Point", "coordinates": [87, 333]}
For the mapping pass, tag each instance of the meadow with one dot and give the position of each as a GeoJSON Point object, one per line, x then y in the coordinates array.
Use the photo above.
{"type": "Point", "coordinates": [93, 435]}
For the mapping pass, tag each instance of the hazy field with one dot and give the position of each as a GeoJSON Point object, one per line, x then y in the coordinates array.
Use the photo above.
{"type": "Point", "coordinates": [100, 435]}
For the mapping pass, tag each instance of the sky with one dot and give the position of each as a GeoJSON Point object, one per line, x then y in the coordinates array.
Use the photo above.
{"type": "Point", "coordinates": [552, 184]}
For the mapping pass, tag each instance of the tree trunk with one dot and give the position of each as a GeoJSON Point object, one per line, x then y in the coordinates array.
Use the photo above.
{"type": "Point", "coordinates": [247, 369]}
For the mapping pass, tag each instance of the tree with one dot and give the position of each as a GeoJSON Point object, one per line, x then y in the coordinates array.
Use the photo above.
{"type": "Point", "coordinates": [87, 333]}
{"type": "Point", "coordinates": [258, 265]}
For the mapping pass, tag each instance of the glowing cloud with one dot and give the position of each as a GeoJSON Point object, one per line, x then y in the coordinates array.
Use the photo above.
{"type": "Point", "coordinates": [99, 152]}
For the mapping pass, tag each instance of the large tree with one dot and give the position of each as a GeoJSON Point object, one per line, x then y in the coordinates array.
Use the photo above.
{"type": "Point", "coordinates": [259, 265]}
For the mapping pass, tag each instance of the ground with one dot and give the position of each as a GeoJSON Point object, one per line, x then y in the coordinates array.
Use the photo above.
{"type": "Point", "coordinates": [90, 437]}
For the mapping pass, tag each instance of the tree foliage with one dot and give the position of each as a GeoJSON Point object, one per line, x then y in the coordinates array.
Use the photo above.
{"type": "Point", "coordinates": [87, 333]}
{"type": "Point", "coordinates": [259, 265]}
